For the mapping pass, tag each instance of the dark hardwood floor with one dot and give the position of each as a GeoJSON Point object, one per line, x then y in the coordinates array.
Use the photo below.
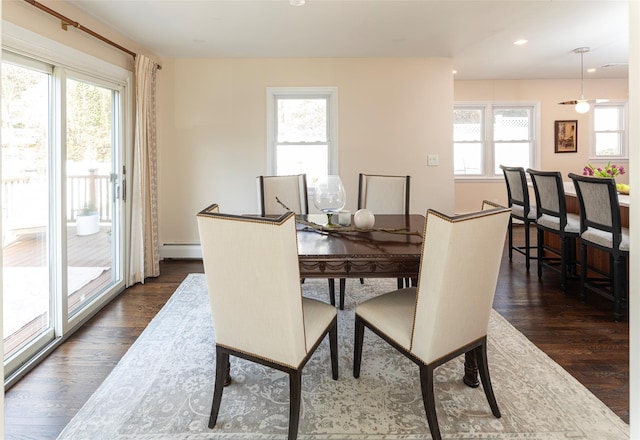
{"type": "Point", "coordinates": [582, 338]}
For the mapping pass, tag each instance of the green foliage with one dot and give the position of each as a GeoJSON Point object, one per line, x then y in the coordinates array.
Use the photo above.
{"type": "Point", "coordinates": [88, 122]}
{"type": "Point", "coordinates": [88, 209]}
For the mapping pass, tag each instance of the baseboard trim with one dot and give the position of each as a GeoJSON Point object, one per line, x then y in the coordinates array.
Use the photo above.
{"type": "Point", "coordinates": [180, 251]}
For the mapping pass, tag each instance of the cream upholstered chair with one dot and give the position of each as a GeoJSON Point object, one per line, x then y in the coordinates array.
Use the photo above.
{"type": "Point", "coordinates": [600, 227]}
{"type": "Point", "coordinates": [553, 218]}
{"type": "Point", "coordinates": [380, 194]}
{"type": "Point", "coordinates": [259, 314]}
{"type": "Point", "coordinates": [447, 314]}
{"type": "Point", "coordinates": [290, 190]}
{"type": "Point", "coordinates": [384, 194]}
{"type": "Point", "coordinates": [521, 209]}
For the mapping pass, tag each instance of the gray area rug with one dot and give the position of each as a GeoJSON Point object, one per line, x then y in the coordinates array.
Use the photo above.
{"type": "Point", "coordinates": [162, 387]}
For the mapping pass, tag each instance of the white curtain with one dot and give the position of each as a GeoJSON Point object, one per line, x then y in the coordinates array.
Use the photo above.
{"type": "Point", "coordinates": [145, 250]}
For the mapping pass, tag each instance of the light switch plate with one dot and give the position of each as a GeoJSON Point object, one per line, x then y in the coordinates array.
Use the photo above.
{"type": "Point", "coordinates": [433, 160]}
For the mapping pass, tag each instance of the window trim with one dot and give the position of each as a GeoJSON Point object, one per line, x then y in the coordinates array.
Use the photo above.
{"type": "Point", "coordinates": [330, 93]}
{"type": "Point", "coordinates": [624, 140]}
{"type": "Point", "coordinates": [488, 156]}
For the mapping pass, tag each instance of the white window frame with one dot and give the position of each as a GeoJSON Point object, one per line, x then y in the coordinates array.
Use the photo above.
{"type": "Point", "coordinates": [624, 134]}
{"type": "Point", "coordinates": [488, 143]}
{"type": "Point", "coordinates": [329, 93]}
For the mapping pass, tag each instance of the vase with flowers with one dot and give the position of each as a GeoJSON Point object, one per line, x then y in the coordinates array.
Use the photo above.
{"type": "Point", "coordinates": [611, 170]}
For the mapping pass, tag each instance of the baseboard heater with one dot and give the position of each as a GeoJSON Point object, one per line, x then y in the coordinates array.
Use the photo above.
{"type": "Point", "coordinates": [180, 251]}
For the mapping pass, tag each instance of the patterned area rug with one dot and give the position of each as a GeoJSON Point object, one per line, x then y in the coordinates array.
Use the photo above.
{"type": "Point", "coordinates": [162, 388]}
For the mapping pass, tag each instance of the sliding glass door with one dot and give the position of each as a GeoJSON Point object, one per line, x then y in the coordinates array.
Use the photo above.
{"type": "Point", "coordinates": [92, 140]}
{"type": "Point", "coordinates": [26, 212]}
{"type": "Point", "coordinates": [62, 211]}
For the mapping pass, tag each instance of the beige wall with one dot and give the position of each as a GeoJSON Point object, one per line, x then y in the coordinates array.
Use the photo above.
{"type": "Point", "coordinates": [212, 129]}
{"type": "Point", "coordinates": [548, 93]}
{"type": "Point", "coordinates": [212, 121]}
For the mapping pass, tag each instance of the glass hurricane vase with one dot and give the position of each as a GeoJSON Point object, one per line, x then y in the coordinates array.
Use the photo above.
{"type": "Point", "coordinates": [329, 196]}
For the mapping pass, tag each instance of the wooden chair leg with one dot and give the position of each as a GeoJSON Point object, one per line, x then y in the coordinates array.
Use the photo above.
{"type": "Point", "coordinates": [510, 239]}
{"type": "Point", "coordinates": [618, 285]}
{"type": "Point", "coordinates": [540, 246]}
{"type": "Point", "coordinates": [333, 348]}
{"type": "Point", "coordinates": [222, 360]}
{"type": "Point", "coordinates": [295, 394]}
{"type": "Point", "coordinates": [583, 272]}
{"type": "Point", "coordinates": [564, 243]}
{"type": "Point", "coordinates": [573, 258]}
{"type": "Point", "coordinates": [426, 384]}
{"type": "Point", "coordinates": [483, 368]}
{"type": "Point", "coordinates": [527, 246]}
{"type": "Point", "coordinates": [357, 346]}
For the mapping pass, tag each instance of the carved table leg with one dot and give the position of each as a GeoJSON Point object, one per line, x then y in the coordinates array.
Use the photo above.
{"type": "Point", "coordinates": [343, 284]}
{"type": "Point", "coordinates": [470, 370]}
{"type": "Point", "coordinates": [332, 291]}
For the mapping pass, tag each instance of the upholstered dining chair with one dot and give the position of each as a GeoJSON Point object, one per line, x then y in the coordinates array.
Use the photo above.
{"type": "Point", "coordinates": [553, 218]}
{"type": "Point", "coordinates": [259, 314]}
{"type": "Point", "coordinates": [384, 194]}
{"type": "Point", "coordinates": [447, 314]}
{"type": "Point", "coordinates": [600, 227]}
{"type": "Point", "coordinates": [380, 194]}
{"type": "Point", "coordinates": [289, 190]}
{"type": "Point", "coordinates": [521, 209]}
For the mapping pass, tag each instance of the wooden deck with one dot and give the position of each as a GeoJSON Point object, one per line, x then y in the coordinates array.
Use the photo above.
{"type": "Point", "coordinates": [28, 250]}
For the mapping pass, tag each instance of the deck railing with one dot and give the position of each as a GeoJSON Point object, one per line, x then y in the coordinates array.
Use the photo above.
{"type": "Point", "coordinates": [23, 198]}
{"type": "Point", "coordinates": [92, 191]}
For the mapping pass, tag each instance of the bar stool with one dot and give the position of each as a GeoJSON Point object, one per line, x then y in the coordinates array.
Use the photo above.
{"type": "Point", "coordinates": [600, 228]}
{"type": "Point", "coordinates": [521, 209]}
{"type": "Point", "coordinates": [553, 218]}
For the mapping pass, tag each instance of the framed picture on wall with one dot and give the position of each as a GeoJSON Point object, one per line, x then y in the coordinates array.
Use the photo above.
{"type": "Point", "coordinates": [566, 137]}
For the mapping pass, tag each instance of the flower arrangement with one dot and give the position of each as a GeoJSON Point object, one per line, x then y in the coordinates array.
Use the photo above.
{"type": "Point", "coordinates": [611, 170]}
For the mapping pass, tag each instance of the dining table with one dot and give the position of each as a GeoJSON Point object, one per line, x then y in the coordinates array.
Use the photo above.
{"type": "Point", "coordinates": [390, 249]}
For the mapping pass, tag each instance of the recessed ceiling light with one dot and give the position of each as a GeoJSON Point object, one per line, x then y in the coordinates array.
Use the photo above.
{"type": "Point", "coordinates": [297, 2]}
{"type": "Point", "coordinates": [520, 42]}
{"type": "Point", "coordinates": [454, 72]}
{"type": "Point", "coordinates": [591, 70]}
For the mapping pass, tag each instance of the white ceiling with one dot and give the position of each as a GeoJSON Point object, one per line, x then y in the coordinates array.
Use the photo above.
{"type": "Point", "coordinates": [477, 34]}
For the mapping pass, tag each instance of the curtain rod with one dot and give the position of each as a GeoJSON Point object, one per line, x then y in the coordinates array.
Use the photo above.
{"type": "Point", "coordinates": [65, 22]}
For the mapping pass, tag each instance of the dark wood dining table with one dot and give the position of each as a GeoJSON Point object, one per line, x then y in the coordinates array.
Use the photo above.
{"type": "Point", "coordinates": [392, 249]}
{"type": "Point", "coordinates": [392, 253]}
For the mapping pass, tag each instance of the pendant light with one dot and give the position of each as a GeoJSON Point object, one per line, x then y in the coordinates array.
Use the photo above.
{"type": "Point", "coordinates": [582, 106]}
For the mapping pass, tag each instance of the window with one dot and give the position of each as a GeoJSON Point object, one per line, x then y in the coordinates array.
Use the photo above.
{"type": "Point", "coordinates": [486, 136]}
{"type": "Point", "coordinates": [301, 131]}
{"type": "Point", "coordinates": [609, 131]}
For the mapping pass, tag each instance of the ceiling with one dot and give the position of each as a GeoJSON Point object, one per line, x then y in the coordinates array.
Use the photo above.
{"type": "Point", "coordinates": [477, 34]}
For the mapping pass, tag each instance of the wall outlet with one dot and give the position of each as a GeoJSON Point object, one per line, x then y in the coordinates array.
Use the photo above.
{"type": "Point", "coordinates": [433, 160]}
